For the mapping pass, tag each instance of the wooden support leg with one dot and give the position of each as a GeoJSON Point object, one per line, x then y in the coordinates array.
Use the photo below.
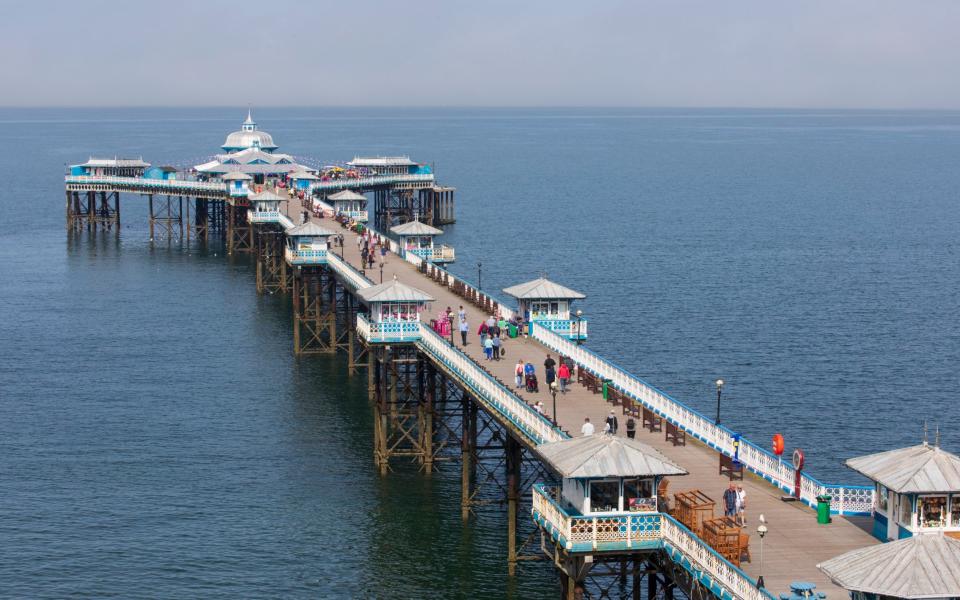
{"type": "Point", "coordinates": [513, 450]}
{"type": "Point", "coordinates": [150, 197]}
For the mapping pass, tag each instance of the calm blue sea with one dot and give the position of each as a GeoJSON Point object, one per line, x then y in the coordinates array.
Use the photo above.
{"type": "Point", "coordinates": [158, 439]}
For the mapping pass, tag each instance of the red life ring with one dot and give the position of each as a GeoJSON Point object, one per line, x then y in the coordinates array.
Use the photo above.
{"type": "Point", "coordinates": [778, 444]}
{"type": "Point", "coordinates": [798, 459]}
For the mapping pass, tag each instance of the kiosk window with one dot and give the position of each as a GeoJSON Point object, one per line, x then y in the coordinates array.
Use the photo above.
{"type": "Point", "coordinates": [604, 496]}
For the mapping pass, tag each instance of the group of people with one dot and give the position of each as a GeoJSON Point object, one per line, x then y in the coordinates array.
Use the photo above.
{"type": "Point", "coordinates": [489, 333]}
{"type": "Point", "coordinates": [610, 426]}
{"type": "Point", "coordinates": [735, 503]}
{"type": "Point", "coordinates": [369, 245]}
{"type": "Point", "coordinates": [526, 374]}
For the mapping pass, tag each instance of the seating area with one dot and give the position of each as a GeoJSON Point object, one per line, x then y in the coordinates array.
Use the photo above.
{"type": "Point", "coordinates": [695, 510]}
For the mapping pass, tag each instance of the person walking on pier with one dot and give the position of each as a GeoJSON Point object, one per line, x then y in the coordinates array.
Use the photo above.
{"type": "Point", "coordinates": [518, 372]}
{"type": "Point", "coordinates": [631, 428]}
{"type": "Point", "coordinates": [563, 374]}
{"type": "Point", "coordinates": [488, 347]}
{"type": "Point", "coordinates": [612, 425]}
{"type": "Point", "coordinates": [496, 346]}
{"type": "Point", "coordinates": [464, 328]}
{"type": "Point", "coordinates": [482, 332]}
{"type": "Point", "coordinates": [741, 506]}
{"type": "Point", "coordinates": [549, 370]}
{"type": "Point", "coordinates": [587, 428]}
{"type": "Point", "coordinates": [730, 501]}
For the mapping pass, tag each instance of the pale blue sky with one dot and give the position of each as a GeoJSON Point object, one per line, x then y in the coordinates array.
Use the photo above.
{"type": "Point", "coordinates": [753, 53]}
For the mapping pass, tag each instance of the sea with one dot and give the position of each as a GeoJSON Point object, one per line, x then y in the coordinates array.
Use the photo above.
{"type": "Point", "coordinates": [158, 439]}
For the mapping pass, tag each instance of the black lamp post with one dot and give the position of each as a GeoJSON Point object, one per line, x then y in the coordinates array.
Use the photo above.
{"type": "Point", "coordinates": [479, 276]}
{"type": "Point", "coordinates": [553, 392]}
{"type": "Point", "coordinates": [761, 531]}
{"type": "Point", "coordinates": [579, 320]}
{"type": "Point", "coordinates": [450, 319]}
{"type": "Point", "coordinates": [381, 271]}
{"type": "Point", "coordinates": [719, 390]}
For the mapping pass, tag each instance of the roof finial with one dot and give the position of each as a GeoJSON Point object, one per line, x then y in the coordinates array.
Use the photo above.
{"type": "Point", "coordinates": [936, 439]}
{"type": "Point", "coordinates": [924, 432]}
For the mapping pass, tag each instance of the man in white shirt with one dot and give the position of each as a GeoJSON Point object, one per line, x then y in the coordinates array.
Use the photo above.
{"type": "Point", "coordinates": [587, 428]}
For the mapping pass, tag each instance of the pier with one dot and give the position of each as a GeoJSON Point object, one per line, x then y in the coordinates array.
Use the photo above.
{"type": "Point", "coordinates": [441, 404]}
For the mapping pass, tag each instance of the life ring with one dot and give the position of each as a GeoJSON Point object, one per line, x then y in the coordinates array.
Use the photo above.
{"type": "Point", "coordinates": [778, 444]}
{"type": "Point", "coordinates": [798, 459]}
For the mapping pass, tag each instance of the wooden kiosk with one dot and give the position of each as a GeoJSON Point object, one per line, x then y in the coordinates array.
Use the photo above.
{"type": "Point", "coordinates": [417, 238]}
{"type": "Point", "coordinates": [547, 304]}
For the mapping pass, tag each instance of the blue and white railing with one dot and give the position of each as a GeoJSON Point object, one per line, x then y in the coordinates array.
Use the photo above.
{"type": "Point", "coordinates": [440, 254]}
{"type": "Point", "coordinates": [263, 216]}
{"type": "Point", "coordinates": [630, 530]}
{"type": "Point", "coordinates": [387, 332]}
{"type": "Point", "coordinates": [145, 183]}
{"type": "Point", "coordinates": [347, 272]}
{"type": "Point", "coordinates": [847, 499]}
{"type": "Point", "coordinates": [568, 328]}
{"type": "Point", "coordinates": [415, 180]}
{"type": "Point", "coordinates": [497, 397]}
{"type": "Point", "coordinates": [305, 257]}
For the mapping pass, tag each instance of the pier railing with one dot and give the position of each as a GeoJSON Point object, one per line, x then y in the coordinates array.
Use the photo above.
{"type": "Point", "coordinates": [846, 499]}
{"type": "Point", "coordinates": [387, 331]}
{"type": "Point", "coordinates": [436, 254]}
{"type": "Point", "coordinates": [414, 180]}
{"type": "Point", "coordinates": [349, 274]}
{"type": "Point", "coordinates": [263, 216]}
{"type": "Point", "coordinates": [467, 291]}
{"type": "Point", "coordinates": [632, 531]}
{"type": "Point", "coordinates": [143, 183]}
{"type": "Point", "coordinates": [305, 257]}
{"type": "Point", "coordinates": [495, 395]}
{"type": "Point", "coordinates": [569, 328]}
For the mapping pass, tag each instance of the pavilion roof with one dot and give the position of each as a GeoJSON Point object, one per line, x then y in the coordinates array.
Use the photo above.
{"type": "Point", "coordinates": [393, 291]}
{"type": "Point", "coordinates": [415, 228]}
{"type": "Point", "coordinates": [921, 566]}
{"type": "Point", "coordinates": [266, 196]}
{"type": "Point", "coordinates": [598, 456]}
{"type": "Point", "coordinates": [303, 175]}
{"type": "Point", "coordinates": [381, 161]}
{"type": "Point", "coordinates": [308, 229]}
{"type": "Point", "coordinates": [346, 195]}
{"type": "Point", "coordinates": [917, 469]}
{"type": "Point", "coordinates": [236, 176]}
{"type": "Point", "coordinates": [542, 288]}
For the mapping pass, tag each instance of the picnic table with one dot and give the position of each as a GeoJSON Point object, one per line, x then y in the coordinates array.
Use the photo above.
{"type": "Point", "coordinates": [693, 507]}
{"type": "Point", "coordinates": [725, 535]}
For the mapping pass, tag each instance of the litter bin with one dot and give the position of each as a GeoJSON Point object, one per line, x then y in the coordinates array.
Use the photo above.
{"type": "Point", "coordinates": [605, 384]}
{"type": "Point", "coordinates": [513, 331]}
{"type": "Point", "coordinates": [823, 509]}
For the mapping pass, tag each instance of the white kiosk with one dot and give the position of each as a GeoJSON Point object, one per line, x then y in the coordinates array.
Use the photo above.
{"type": "Point", "coordinates": [547, 304]}
{"type": "Point", "coordinates": [349, 204]}
{"type": "Point", "coordinates": [238, 183]}
{"type": "Point", "coordinates": [395, 310]}
{"type": "Point", "coordinates": [264, 207]}
{"type": "Point", "coordinates": [417, 238]}
{"type": "Point", "coordinates": [307, 244]}
{"type": "Point", "coordinates": [917, 490]}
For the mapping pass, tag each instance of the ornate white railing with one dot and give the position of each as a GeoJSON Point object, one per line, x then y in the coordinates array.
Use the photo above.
{"type": "Point", "coordinates": [364, 182]}
{"type": "Point", "coordinates": [305, 257]}
{"type": "Point", "coordinates": [285, 221]}
{"type": "Point", "coordinates": [143, 182]}
{"type": "Point", "coordinates": [718, 437]}
{"type": "Point", "coordinates": [349, 274]}
{"type": "Point", "coordinates": [263, 216]}
{"type": "Point", "coordinates": [452, 280]}
{"type": "Point", "coordinates": [569, 328]}
{"type": "Point", "coordinates": [709, 567]}
{"type": "Point", "coordinates": [387, 331]}
{"type": "Point", "coordinates": [588, 533]}
{"type": "Point", "coordinates": [488, 390]}
{"type": "Point", "coordinates": [435, 254]}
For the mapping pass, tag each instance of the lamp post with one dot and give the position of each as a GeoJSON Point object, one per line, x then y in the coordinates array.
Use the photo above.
{"type": "Point", "coordinates": [579, 320]}
{"type": "Point", "coordinates": [479, 276]}
{"type": "Point", "coordinates": [450, 319]}
{"type": "Point", "coordinates": [381, 271]}
{"type": "Point", "coordinates": [553, 392]}
{"type": "Point", "coordinates": [719, 390]}
{"type": "Point", "coordinates": [761, 531]}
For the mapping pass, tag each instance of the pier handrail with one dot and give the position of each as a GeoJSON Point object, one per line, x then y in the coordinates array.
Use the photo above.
{"type": "Point", "coordinates": [628, 529]}
{"type": "Point", "coordinates": [719, 437]}
{"type": "Point", "coordinates": [362, 182]}
{"type": "Point", "coordinates": [490, 391]}
{"type": "Point", "coordinates": [217, 186]}
{"type": "Point", "coordinates": [505, 311]}
{"type": "Point", "coordinates": [346, 270]}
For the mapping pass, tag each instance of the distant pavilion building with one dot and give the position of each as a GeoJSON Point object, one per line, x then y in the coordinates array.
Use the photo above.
{"type": "Point", "coordinates": [252, 152]}
{"type": "Point", "coordinates": [547, 304]}
{"type": "Point", "coordinates": [116, 167]}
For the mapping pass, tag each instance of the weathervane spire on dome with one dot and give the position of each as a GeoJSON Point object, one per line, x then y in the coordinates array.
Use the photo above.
{"type": "Point", "coordinates": [249, 124]}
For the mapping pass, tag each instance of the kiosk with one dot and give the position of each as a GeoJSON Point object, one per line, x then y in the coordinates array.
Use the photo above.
{"type": "Point", "coordinates": [417, 238]}
{"type": "Point", "coordinates": [307, 244]}
{"type": "Point", "coordinates": [394, 312]}
{"type": "Point", "coordinates": [547, 304]}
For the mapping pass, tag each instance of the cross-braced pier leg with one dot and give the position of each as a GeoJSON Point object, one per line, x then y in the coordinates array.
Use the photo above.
{"type": "Point", "coordinates": [314, 317]}
{"type": "Point", "coordinates": [271, 266]}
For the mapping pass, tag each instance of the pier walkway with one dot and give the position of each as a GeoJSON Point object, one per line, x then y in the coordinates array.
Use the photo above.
{"type": "Point", "coordinates": [795, 543]}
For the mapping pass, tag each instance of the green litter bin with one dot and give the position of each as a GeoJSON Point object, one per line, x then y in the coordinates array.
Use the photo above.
{"type": "Point", "coordinates": [606, 382]}
{"type": "Point", "coordinates": [513, 331]}
{"type": "Point", "coordinates": [823, 509]}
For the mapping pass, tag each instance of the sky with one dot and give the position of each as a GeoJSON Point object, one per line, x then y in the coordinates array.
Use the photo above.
{"type": "Point", "coordinates": [670, 53]}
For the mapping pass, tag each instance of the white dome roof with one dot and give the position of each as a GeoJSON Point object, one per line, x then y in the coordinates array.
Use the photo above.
{"type": "Point", "coordinates": [249, 137]}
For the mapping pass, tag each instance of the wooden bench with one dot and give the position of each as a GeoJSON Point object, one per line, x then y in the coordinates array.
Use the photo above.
{"type": "Point", "coordinates": [589, 380]}
{"type": "Point", "coordinates": [675, 435]}
{"type": "Point", "coordinates": [651, 421]}
{"type": "Point", "coordinates": [630, 407]}
{"type": "Point", "coordinates": [734, 470]}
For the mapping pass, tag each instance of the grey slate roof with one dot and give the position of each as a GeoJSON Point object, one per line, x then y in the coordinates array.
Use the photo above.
{"type": "Point", "coordinates": [598, 456]}
{"type": "Point", "coordinates": [266, 196]}
{"type": "Point", "coordinates": [542, 288]}
{"type": "Point", "coordinates": [381, 161]}
{"type": "Point", "coordinates": [393, 291]}
{"type": "Point", "coordinates": [236, 175]}
{"type": "Point", "coordinates": [415, 228]}
{"type": "Point", "coordinates": [926, 565]}
{"type": "Point", "coordinates": [303, 175]}
{"type": "Point", "coordinates": [114, 162]}
{"type": "Point", "coordinates": [916, 469]}
{"type": "Point", "coordinates": [346, 195]}
{"type": "Point", "coordinates": [308, 229]}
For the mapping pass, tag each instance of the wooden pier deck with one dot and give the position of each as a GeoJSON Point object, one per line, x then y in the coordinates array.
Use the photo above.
{"type": "Point", "coordinates": [795, 543]}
